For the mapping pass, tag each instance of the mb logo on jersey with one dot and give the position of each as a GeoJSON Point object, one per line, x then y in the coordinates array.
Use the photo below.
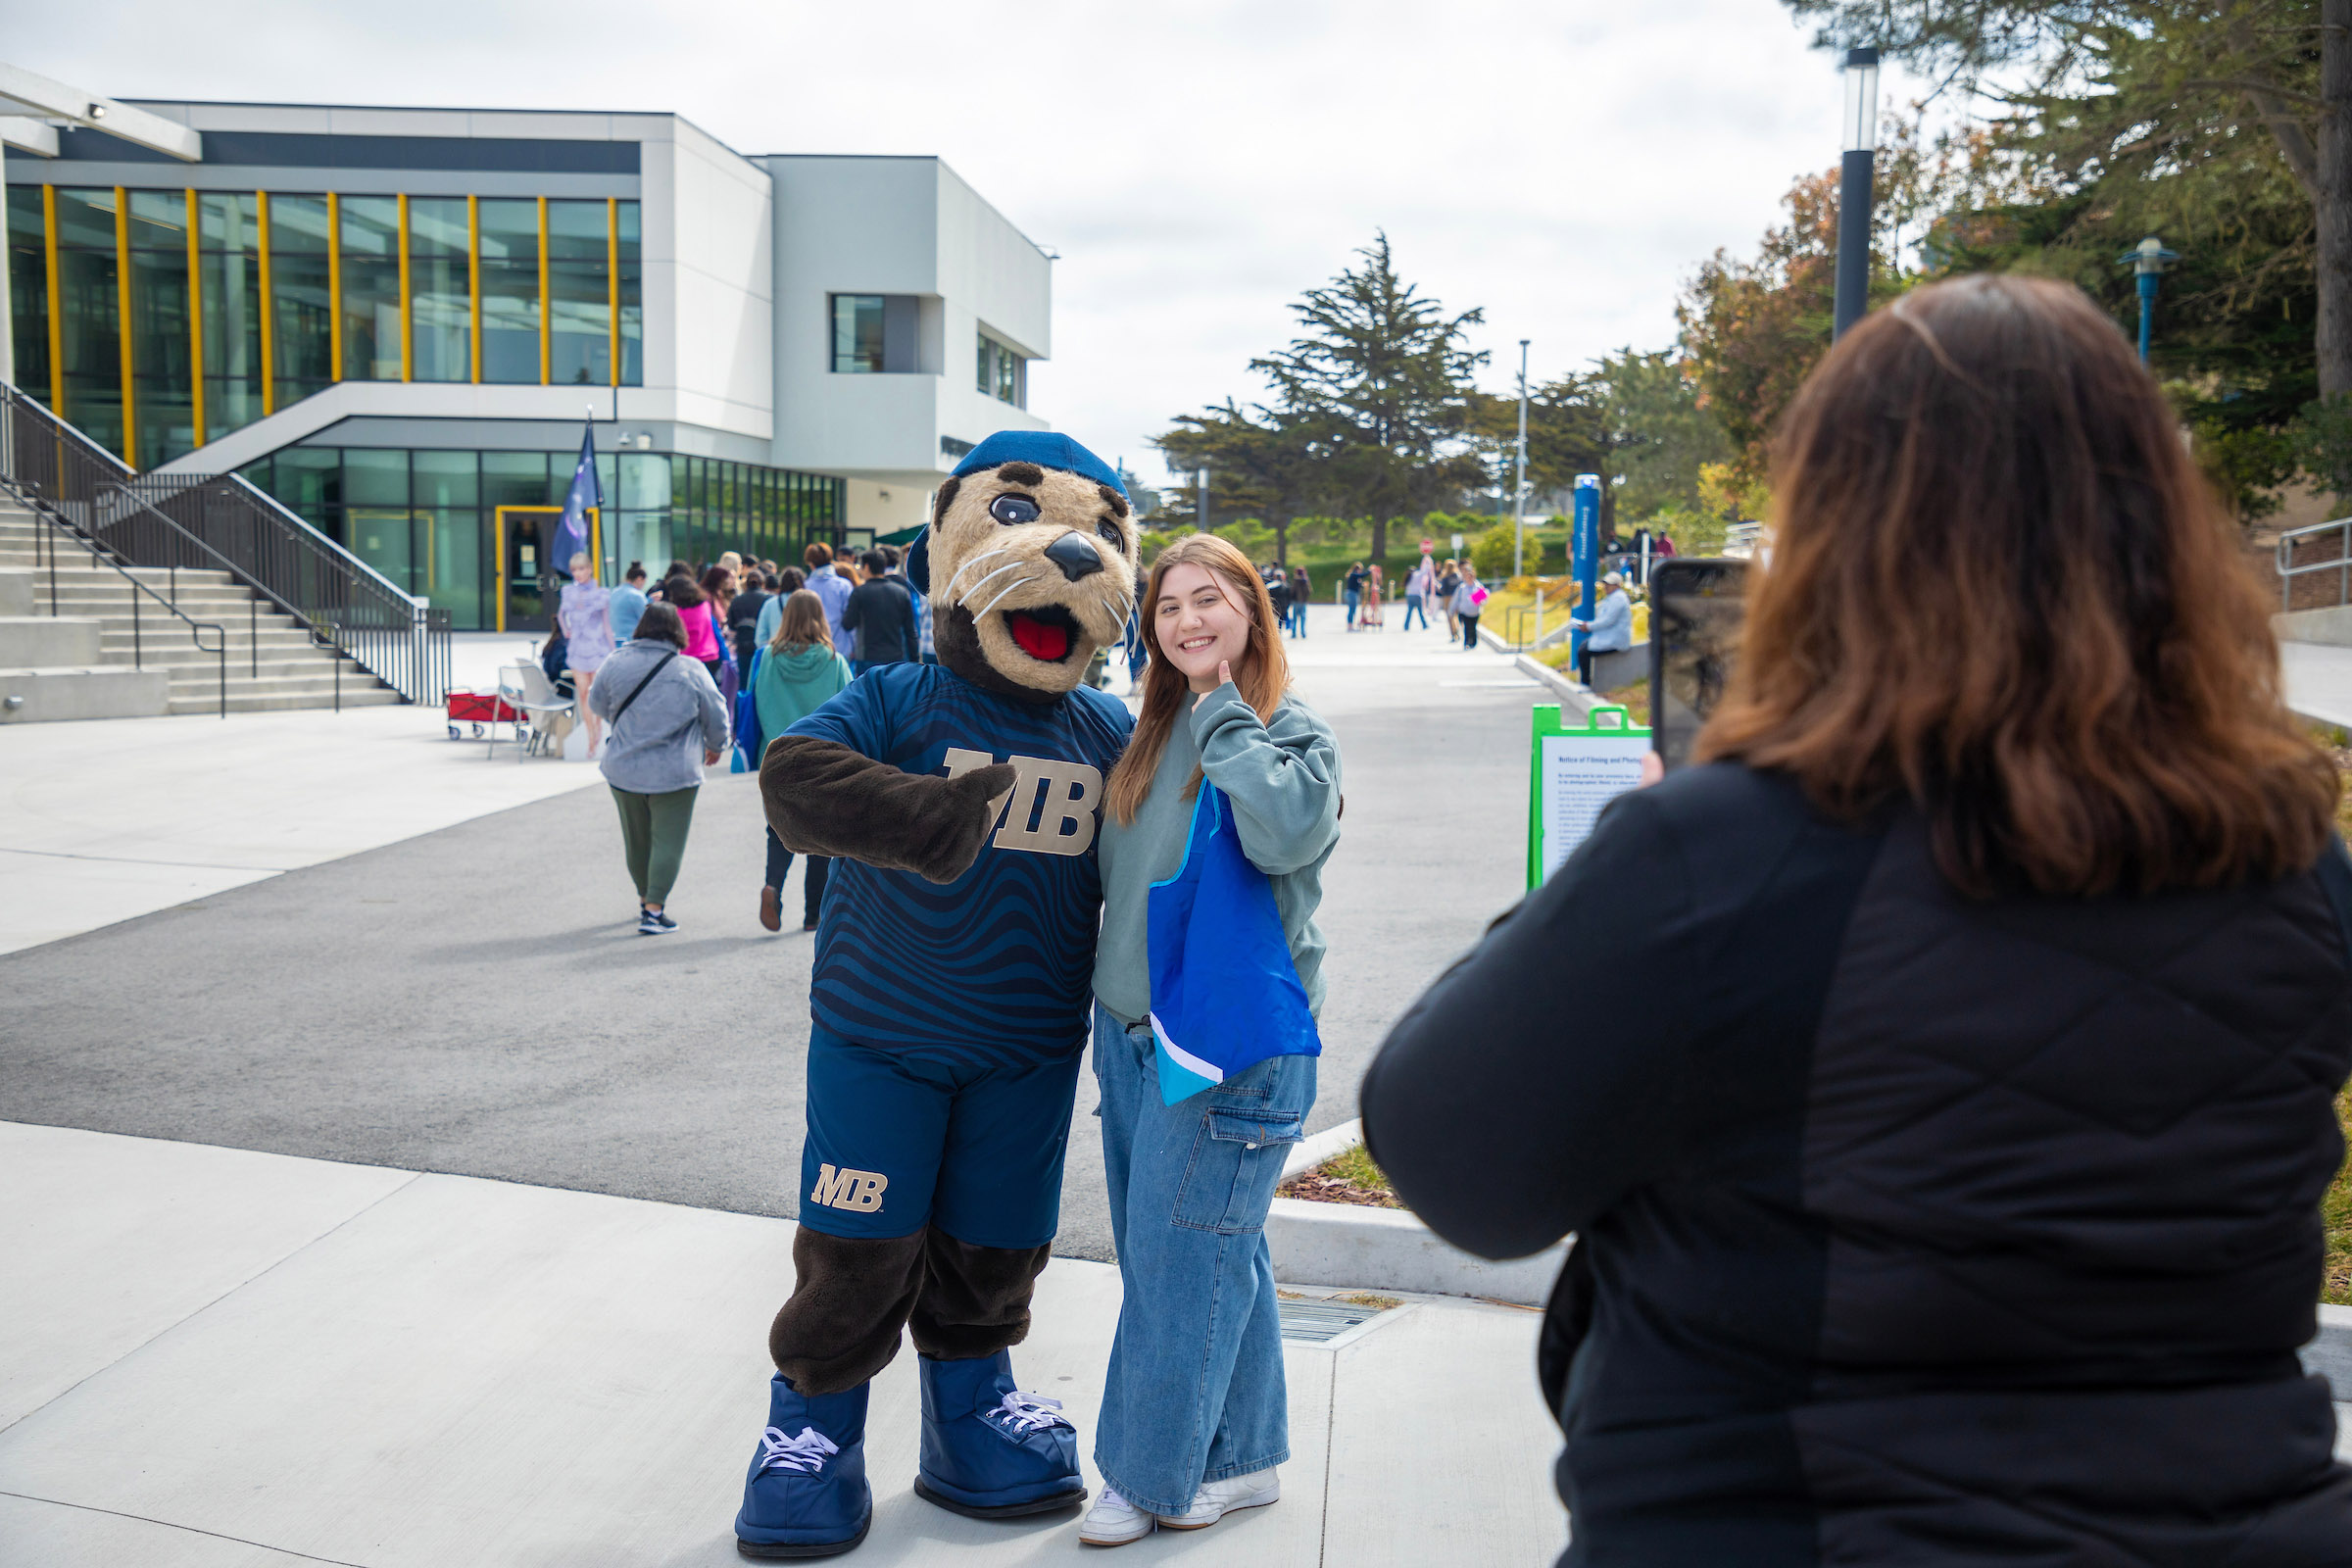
{"type": "Point", "coordinates": [856, 1189]}
{"type": "Point", "coordinates": [1053, 801]}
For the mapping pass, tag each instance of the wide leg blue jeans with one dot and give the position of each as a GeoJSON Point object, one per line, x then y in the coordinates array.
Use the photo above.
{"type": "Point", "coordinates": [1195, 1392]}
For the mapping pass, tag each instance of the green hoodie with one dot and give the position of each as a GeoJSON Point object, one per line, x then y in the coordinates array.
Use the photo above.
{"type": "Point", "coordinates": [793, 684]}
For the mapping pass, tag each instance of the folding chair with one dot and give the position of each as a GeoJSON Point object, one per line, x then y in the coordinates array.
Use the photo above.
{"type": "Point", "coordinates": [526, 687]}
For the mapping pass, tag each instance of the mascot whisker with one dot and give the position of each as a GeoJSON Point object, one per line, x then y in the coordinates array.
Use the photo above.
{"type": "Point", "coordinates": [949, 999]}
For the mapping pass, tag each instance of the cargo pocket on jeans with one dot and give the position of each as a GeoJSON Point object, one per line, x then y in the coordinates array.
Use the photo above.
{"type": "Point", "coordinates": [1236, 1163]}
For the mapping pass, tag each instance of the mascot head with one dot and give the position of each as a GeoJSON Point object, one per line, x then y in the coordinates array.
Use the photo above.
{"type": "Point", "coordinates": [1030, 564]}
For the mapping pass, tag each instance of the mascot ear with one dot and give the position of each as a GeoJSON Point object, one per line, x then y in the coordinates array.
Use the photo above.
{"type": "Point", "coordinates": [918, 563]}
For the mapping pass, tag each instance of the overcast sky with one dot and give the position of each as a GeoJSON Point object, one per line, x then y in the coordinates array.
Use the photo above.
{"type": "Point", "coordinates": [1564, 166]}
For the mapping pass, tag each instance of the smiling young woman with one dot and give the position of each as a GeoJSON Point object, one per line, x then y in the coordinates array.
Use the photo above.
{"type": "Point", "coordinates": [1195, 1414]}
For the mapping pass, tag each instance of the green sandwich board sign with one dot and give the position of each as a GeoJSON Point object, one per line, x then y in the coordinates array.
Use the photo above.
{"type": "Point", "coordinates": [1573, 771]}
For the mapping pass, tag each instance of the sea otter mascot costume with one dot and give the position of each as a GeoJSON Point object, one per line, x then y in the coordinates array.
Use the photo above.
{"type": "Point", "coordinates": [950, 999]}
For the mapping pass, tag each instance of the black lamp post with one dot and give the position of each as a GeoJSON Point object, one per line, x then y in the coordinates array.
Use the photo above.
{"type": "Point", "coordinates": [1856, 171]}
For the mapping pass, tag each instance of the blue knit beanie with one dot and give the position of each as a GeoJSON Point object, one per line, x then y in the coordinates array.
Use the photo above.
{"type": "Point", "coordinates": [1045, 447]}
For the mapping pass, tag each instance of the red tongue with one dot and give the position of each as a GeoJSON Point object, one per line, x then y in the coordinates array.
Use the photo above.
{"type": "Point", "coordinates": [1039, 639]}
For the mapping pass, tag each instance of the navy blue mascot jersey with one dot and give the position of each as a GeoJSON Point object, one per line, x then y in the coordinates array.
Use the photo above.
{"type": "Point", "coordinates": [999, 964]}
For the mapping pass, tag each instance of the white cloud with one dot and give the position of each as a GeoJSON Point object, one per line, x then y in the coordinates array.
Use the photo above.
{"type": "Point", "coordinates": [1564, 166]}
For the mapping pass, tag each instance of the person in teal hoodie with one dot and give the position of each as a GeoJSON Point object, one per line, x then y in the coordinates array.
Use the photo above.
{"type": "Point", "coordinates": [799, 673]}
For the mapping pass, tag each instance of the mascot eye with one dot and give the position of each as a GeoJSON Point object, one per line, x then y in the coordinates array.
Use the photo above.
{"type": "Point", "coordinates": [1111, 532]}
{"type": "Point", "coordinates": [1011, 510]}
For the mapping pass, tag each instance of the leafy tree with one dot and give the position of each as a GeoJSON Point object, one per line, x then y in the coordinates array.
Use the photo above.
{"type": "Point", "coordinates": [1659, 433]}
{"type": "Point", "coordinates": [1754, 329]}
{"type": "Point", "coordinates": [2232, 110]}
{"type": "Point", "coordinates": [1256, 463]}
{"type": "Point", "coordinates": [1376, 389]}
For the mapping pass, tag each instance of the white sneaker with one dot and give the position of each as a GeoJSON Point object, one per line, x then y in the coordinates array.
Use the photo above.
{"type": "Point", "coordinates": [1217, 1499]}
{"type": "Point", "coordinates": [1113, 1521]}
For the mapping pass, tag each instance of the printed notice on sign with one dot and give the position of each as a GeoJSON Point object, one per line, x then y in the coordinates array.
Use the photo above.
{"type": "Point", "coordinates": [1580, 774]}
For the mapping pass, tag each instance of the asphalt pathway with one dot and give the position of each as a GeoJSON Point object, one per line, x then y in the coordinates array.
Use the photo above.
{"type": "Point", "coordinates": [474, 1000]}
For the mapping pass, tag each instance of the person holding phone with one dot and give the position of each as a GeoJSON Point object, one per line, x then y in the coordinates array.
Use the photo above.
{"type": "Point", "coordinates": [1195, 1410]}
{"type": "Point", "coordinates": [1953, 1196]}
{"type": "Point", "coordinates": [1468, 604]}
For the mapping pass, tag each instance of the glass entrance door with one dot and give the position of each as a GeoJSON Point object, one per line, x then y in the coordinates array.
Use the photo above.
{"type": "Point", "coordinates": [530, 579]}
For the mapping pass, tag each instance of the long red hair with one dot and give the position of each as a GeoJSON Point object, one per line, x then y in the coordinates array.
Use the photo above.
{"type": "Point", "coordinates": [1999, 588]}
{"type": "Point", "coordinates": [1262, 679]}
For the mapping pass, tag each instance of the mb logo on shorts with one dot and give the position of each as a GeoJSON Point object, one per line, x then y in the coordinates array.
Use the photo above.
{"type": "Point", "coordinates": [858, 1189]}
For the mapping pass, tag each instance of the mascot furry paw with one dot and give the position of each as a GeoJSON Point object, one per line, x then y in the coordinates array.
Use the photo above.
{"type": "Point", "coordinates": [955, 956]}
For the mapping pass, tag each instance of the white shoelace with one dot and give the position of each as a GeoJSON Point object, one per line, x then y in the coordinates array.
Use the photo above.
{"type": "Point", "coordinates": [807, 1452]}
{"type": "Point", "coordinates": [1024, 1411]}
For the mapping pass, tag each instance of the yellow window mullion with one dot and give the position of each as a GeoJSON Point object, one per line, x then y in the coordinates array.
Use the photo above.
{"type": "Point", "coordinates": [57, 310]}
{"type": "Point", "coordinates": [123, 331]}
{"type": "Point", "coordinates": [547, 338]}
{"type": "Point", "coordinates": [407, 363]}
{"type": "Point", "coordinates": [473, 276]}
{"type": "Point", "coordinates": [334, 285]}
{"type": "Point", "coordinates": [268, 307]}
{"type": "Point", "coordinates": [613, 284]}
{"type": "Point", "coordinates": [195, 321]}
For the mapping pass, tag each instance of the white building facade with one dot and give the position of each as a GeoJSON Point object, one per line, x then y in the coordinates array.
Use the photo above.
{"type": "Point", "coordinates": [396, 321]}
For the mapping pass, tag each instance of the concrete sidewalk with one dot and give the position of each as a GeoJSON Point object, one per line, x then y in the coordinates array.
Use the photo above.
{"type": "Point", "coordinates": [227, 1359]}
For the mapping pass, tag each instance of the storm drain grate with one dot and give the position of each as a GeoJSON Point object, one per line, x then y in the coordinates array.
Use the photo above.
{"type": "Point", "coordinates": [1318, 1321]}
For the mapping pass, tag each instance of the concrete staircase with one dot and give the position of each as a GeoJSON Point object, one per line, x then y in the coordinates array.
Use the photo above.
{"type": "Point", "coordinates": [78, 663]}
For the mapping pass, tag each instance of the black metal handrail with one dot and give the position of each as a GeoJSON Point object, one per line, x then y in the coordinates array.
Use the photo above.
{"type": "Point", "coordinates": [69, 459]}
{"type": "Point", "coordinates": [220, 521]}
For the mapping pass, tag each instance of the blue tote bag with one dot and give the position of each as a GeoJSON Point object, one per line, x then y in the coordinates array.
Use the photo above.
{"type": "Point", "coordinates": [1225, 995]}
{"type": "Point", "coordinates": [749, 742]}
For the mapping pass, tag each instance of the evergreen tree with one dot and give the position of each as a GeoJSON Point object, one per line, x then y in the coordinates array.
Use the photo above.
{"type": "Point", "coordinates": [1376, 389]}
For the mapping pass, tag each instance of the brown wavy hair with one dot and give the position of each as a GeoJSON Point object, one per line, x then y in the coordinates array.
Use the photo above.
{"type": "Point", "coordinates": [802, 623]}
{"type": "Point", "coordinates": [1999, 588]}
{"type": "Point", "coordinates": [1262, 679]}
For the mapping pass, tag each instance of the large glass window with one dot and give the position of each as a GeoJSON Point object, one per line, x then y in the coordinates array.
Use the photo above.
{"type": "Point", "coordinates": [440, 290]}
{"type": "Point", "coordinates": [89, 315]}
{"type": "Point", "coordinates": [1004, 375]}
{"type": "Point", "coordinates": [309, 482]}
{"type": "Point", "coordinates": [580, 301]}
{"type": "Point", "coordinates": [445, 490]}
{"type": "Point", "coordinates": [632, 300]}
{"type": "Point", "coordinates": [376, 522]}
{"type": "Point", "coordinates": [163, 345]}
{"type": "Point", "coordinates": [29, 288]}
{"type": "Point", "coordinates": [370, 242]}
{"type": "Point", "coordinates": [302, 308]}
{"type": "Point", "coordinates": [858, 335]}
{"type": "Point", "coordinates": [510, 291]}
{"type": "Point", "coordinates": [229, 241]}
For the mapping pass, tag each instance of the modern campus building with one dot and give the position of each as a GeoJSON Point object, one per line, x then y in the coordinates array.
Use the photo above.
{"type": "Point", "coordinates": [396, 321]}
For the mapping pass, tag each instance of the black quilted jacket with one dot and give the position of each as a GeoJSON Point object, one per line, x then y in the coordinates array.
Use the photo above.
{"type": "Point", "coordinates": [1911, 1229]}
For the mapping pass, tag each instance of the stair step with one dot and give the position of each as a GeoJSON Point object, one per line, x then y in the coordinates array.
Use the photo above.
{"type": "Point", "coordinates": [371, 697]}
{"type": "Point", "coordinates": [294, 669]}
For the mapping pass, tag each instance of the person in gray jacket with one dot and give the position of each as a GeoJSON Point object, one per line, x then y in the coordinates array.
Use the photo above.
{"type": "Point", "coordinates": [659, 708]}
{"type": "Point", "coordinates": [1611, 628]}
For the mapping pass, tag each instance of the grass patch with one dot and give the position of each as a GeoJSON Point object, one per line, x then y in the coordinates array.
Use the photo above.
{"type": "Point", "coordinates": [2335, 1213]}
{"type": "Point", "coordinates": [1348, 1178]}
{"type": "Point", "coordinates": [1633, 698]}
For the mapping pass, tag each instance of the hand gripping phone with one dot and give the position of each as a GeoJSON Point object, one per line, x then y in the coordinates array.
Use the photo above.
{"type": "Point", "coordinates": [1697, 604]}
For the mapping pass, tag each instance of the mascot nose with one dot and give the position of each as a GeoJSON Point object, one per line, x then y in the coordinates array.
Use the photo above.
{"type": "Point", "coordinates": [1074, 556]}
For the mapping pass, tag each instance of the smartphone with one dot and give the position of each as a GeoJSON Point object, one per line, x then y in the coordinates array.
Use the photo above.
{"type": "Point", "coordinates": [1697, 604]}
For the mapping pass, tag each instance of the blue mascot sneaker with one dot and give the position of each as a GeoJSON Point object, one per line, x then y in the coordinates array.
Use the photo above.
{"type": "Point", "coordinates": [991, 1451]}
{"type": "Point", "coordinates": [807, 1496]}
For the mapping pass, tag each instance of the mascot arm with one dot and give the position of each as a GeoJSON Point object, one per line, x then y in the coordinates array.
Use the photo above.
{"type": "Point", "coordinates": [824, 799]}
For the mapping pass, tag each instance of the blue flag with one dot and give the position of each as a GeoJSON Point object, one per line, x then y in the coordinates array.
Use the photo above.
{"type": "Point", "coordinates": [571, 534]}
{"type": "Point", "coordinates": [1225, 993]}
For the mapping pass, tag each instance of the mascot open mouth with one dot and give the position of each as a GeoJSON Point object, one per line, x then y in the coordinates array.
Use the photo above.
{"type": "Point", "coordinates": [1045, 633]}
